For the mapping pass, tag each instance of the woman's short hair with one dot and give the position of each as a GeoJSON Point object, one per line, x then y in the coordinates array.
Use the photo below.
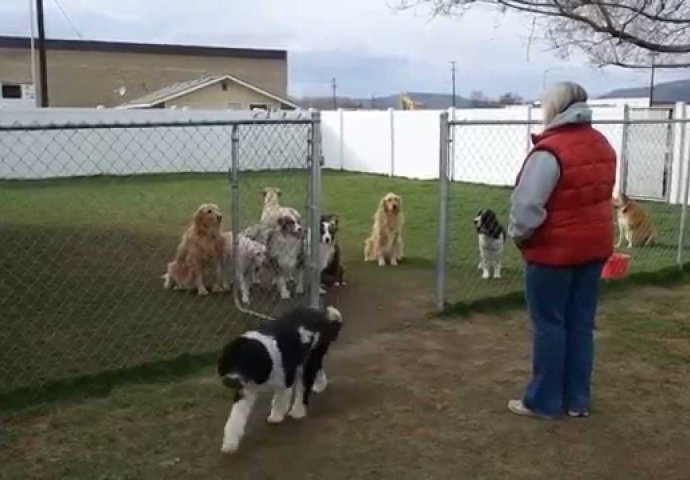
{"type": "Point", "coordinates": [558, 97]}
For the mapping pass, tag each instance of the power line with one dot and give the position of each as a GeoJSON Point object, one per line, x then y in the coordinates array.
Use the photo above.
{"type": "Point", "coordinates": [68, 18]}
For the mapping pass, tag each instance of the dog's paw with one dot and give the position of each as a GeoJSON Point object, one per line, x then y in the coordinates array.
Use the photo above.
{"type": "Point", "coordinates": [245, 299]}
{"type": "Point", "coordinates": [319, 387]}
{"type": "Point", "coordinates": [275, 419]}
{"type": "Point", "coordinates": [202, 292]}
{"type": "Point", "coordinates": [217, 289]}
{"type": "Point", "coordinates": [298, 411]}
{"type": "Point", "coordinates": [226, 287]}
{"type": "Point", "coordinates": [230, 446]}
{"type": "Point", "coordinates": [394, 262]}
{"type": "Point", "coordinates": [285, 295]}
{"type": "Point", "coordinates": [382, 262]}
{"type": "Point", "coordinates": [486, 275]}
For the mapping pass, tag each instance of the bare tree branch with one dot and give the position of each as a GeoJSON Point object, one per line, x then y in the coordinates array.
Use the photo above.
{"type": "Point", "coordinates": [624, 33]}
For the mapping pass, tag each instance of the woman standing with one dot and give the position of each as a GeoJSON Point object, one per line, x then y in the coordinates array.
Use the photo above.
{"type": "Point", "coordinates": [561, 218]}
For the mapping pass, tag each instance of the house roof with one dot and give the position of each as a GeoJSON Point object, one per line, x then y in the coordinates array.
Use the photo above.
{"type": "Point", "coordinates": [177, 90]}
{"type": "Point", "coordinates": [152, 48]}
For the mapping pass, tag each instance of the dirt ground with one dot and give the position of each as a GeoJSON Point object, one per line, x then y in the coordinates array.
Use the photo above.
{"type": "Point", "coordinates": [411, 397]}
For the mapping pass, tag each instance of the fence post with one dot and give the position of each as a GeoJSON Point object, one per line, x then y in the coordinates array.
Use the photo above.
{"type": "Point", "coordinates": [685, 160]}
{"type": "Point", "coordinates": [341, 139]}
{"type": "Point", "coordinates": [442, 233]}
{"type": "Point", "coordinates": [528, 144]}
{"type": "Point", "coordinates": [623, 185]}
{"type": "Point", "coordinates": [451, 139]}
{"type": "Point", "coordinates": [678, 174]}
{"type": "Point", "coordinates": [391, 114]}
{"type": "Point", "coordinates": [235, 207]}
{"type": "Point", "coordinates": [315, 162]}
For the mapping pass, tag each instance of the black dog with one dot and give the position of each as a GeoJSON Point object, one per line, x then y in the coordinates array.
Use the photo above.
{"type": "Point", "coordinates": [277, 356]}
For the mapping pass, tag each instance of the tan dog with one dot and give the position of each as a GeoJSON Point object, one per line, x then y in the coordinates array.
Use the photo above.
{"type": "Point", "coordinates": [199, 259]}
{"type": "Point", "coordinates": [385, 243]}
{"type": "Point", "coordinates": [634, 223]}
{"type": "Point", "coordinates": [272, 210]}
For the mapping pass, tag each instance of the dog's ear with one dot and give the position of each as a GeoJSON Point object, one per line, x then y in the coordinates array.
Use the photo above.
{"type": "Point", "coordinates": [200, 218]}
{"type": "Point", "coordinates": [382, 204]}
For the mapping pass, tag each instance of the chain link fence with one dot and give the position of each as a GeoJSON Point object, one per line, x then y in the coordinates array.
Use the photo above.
{"type": "Point", "coordinates": [91, 215]}
{"type": "Point", "coordinates": [479, 164]}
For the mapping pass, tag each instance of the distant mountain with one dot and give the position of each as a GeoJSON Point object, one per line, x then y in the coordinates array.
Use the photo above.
{"type": "Point", "coordinates": [667, 92]}
{"type": "Point", "coordinates": [428, 101]}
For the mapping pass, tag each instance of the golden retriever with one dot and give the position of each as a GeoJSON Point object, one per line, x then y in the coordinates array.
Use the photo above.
{"type": "Point", "coordinates": [634, 223]}
{"type": "Point", "coordinates": [199, 259]}
{"type": "Point", "coordinates": [273, 210]}
{"type": "Point", "coordinates": [385, 243]}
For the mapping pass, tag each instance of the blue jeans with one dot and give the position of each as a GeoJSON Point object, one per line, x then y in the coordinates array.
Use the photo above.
{"type": "Point", "coordinates": [562, 304]}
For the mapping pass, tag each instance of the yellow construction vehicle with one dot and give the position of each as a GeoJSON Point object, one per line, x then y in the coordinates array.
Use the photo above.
{"type": "Point", "coordinates": [406, 103]}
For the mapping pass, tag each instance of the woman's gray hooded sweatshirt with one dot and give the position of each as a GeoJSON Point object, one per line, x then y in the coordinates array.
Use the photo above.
{"type": "Point", "coordinates": [540, 175]}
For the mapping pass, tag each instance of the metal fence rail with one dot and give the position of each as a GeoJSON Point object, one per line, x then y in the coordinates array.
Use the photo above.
{"type": "Point", "coordinates": [91, 214]}
{"type": "Point", "coordinates": [480, 160]}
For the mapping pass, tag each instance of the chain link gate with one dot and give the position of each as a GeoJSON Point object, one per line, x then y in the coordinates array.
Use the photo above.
{"type": "Point", "coordinates": [295, 149]}
{"type": "Point", "coordinates": [479, 161]}
{"type": "Point", "coordinates": [92, 212]}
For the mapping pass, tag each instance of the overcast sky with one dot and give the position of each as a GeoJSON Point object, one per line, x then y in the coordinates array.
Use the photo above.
{"type": "Point", "coordinates": [369, 47]}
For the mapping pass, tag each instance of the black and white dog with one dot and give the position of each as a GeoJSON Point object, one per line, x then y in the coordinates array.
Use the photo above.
{"type": "Point", "coordinates": [492, 237]}
{"type": "Point", "coordinates": [282, 356]}
{"type": "Point", "coordinates": [332, 270]}
{"type": "Point", "coordinates": [284, 242]}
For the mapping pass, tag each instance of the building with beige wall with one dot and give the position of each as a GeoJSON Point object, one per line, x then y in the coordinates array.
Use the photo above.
{"type": "Point", "coordinates": [211, 93]}
{"type": "Point", "coordinates": [92, 73]}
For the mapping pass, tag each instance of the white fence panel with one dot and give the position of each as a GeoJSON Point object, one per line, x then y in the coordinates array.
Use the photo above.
{"type": "Point", "coordinates": [417, 137]}
{"type": "Point", "coordinates": [125, 151]}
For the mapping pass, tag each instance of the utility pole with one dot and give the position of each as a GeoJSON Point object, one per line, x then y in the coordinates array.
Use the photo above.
{"type": "Point", "coordinates": [32, 46]}
{"type": "Point", "coordinates": [334, 86]}
{"type": "Point", "coordinates": [453, 80]}
{"type": "Point", "coordinates": [42, 54]}
{"type": "Point", "coordinates": [651, 81]}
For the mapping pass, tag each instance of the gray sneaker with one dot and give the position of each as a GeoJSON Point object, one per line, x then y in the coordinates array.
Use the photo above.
{"type": "Point", "coordinates": [518, 408]}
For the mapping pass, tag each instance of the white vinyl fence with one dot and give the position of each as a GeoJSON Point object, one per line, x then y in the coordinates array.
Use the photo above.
{"type": "Point", "coordinates": [157, 148]}
{"type": "Point", "coordinates": [394, 143]}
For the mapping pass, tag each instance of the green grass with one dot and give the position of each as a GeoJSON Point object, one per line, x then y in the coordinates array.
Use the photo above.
{"type": "Point", "coordinates": [427, 400]}
{"type": "Point", "coordinates": [81, 260]}
{"type": "Point", "coordinates": [465, 288]}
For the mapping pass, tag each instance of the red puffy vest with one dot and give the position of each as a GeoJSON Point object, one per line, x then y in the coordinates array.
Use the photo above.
{"type": "Point", "coordinates": [579, 223]}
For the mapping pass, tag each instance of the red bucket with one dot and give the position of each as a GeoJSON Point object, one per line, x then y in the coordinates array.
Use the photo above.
{"type": "Point", "coordinates": [616, 266]}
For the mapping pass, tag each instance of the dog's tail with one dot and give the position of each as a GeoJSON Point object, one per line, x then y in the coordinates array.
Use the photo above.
{"type": "Point", "coordinates": [333, 314]}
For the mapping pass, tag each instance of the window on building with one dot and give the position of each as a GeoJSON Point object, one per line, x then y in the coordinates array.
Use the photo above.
{"type": "Point", "coordinates": [258, 106]}
{"type": "Point", "coordinates": [11, 91]}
